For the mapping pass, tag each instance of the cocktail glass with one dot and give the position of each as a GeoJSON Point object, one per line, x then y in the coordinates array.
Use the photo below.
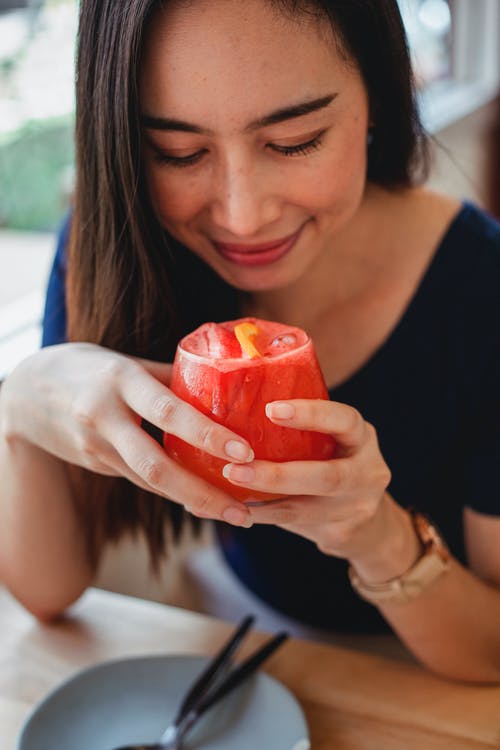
{"type": "Point", "coordinates": [230, 371]}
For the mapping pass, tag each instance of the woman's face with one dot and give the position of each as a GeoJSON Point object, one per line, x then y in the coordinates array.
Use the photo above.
{"type": "Point", "coordinates": [254, 137]}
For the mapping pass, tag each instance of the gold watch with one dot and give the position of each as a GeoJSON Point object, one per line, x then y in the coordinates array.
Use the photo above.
{"type": "Point", "coordinates": [434, 561]}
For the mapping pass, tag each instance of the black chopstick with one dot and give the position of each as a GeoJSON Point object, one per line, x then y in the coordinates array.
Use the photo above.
{"type": "Point", "coordinates": [239, 674]}
{"type": "Point", "coordinates": [215, 667]}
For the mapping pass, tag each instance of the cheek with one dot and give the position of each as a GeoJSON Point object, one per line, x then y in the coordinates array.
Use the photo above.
{"type": "Point", "coordinates": [338, 187]}
{"type": "Point", "coordinates": [174, 198]}
{"type": "Point", "coordinates": [348, 166]}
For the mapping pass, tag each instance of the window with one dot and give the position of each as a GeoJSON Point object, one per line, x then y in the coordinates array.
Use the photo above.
{"type": "Point", "coordinates": [456, 55]}
{"type": "Point", "coordinates": [37, 47]}
{"type": "Point", "coordinates": [429, 25]}
{"type": "Point", "coordinates": [37, 41]}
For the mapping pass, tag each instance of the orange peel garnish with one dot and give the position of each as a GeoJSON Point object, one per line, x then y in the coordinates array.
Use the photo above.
{"type": "Point", "coordinates": [246, 333]}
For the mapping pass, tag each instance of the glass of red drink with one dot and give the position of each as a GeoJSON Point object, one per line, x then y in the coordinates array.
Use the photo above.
{"type": "Point", "coordinates": [230, 371]}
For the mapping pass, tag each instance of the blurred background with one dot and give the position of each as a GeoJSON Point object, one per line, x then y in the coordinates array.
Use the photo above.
{"type": "Point", "coordinates": [455, 46]}
{"type": "Point", "coordinates": [456, 53]}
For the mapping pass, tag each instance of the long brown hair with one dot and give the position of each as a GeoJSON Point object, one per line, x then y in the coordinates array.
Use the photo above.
{"type": "Point", "coordinates": [118, 287]}
{"type": "Point", "coordinates": [120, 263]}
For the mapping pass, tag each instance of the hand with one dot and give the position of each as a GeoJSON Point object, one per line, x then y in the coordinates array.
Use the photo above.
{"type": "Point", "coordinates": [339, 504]}
{"type": "Point", "coordinates": [84, 404]}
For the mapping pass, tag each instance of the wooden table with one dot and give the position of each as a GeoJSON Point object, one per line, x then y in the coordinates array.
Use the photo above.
{"type": "Point", "coordinates": [352, 700]}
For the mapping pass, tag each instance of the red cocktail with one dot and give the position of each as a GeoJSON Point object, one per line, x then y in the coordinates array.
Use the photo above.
{"type": "Point", "coordinates": [230, 371]}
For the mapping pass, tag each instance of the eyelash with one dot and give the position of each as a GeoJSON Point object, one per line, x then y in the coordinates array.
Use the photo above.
{"type": "Point", "coordinates": [301, 149]}
{"type": "Point", "coordinates": [178, 161]}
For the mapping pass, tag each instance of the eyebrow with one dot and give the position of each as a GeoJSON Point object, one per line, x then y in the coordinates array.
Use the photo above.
{"type": "Point", "coordinates": [280, 115]}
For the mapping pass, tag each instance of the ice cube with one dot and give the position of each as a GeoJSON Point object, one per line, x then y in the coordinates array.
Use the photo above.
{"type": "Point", "coordinates": [285, 341]}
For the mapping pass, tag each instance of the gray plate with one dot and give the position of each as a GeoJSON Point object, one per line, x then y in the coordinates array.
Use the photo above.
{"type": "Point", "coordinates": [132, 701]}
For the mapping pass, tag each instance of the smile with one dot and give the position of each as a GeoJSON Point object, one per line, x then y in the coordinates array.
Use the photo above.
{"type": "Point", "coordinates": [257, 255]}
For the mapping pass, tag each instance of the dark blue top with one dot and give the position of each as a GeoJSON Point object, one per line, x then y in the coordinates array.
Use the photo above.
{"type": "Point", "coordinates": [431, 391]}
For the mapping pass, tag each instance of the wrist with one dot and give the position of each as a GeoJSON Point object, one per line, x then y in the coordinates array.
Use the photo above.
{"type": "Point", "coordinates": [394, 548]}
{"type": "Point", "coordinates": [429, 566]}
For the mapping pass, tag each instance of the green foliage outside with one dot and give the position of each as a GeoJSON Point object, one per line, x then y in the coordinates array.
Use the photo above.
{"type": "Point", "coordinates": [35, 174]}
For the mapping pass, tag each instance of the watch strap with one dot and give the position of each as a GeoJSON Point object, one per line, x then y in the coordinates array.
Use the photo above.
{"type": "Point", "coordinates": [434, 561]}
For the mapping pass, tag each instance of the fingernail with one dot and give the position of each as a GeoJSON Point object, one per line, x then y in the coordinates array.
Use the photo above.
{"type": "Point", "coordinates": [238, 473]}
{"type": "Point", "coordinates": [279, 410]}
{"type": "Point", "coordinates": [238, 451]}
{"type": "Point", "coordinates": [237, 517]}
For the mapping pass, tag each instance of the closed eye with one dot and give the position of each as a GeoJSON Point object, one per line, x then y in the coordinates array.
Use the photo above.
{"type": "Point", "coordinates": [178, 161]}
{"type": "Point", "coordinates": [300, 149]}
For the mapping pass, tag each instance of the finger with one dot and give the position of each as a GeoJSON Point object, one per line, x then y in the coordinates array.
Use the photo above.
{"type": "Point", "coordinates": [155, 471]}
{"type": "Point", "coordinates": [158, 405]}
{"type": "Point", "coordinates": [161, 371]}
{"type": "Point", "coordinates": [94, 452]}
{"type": "Point", "coordinates": [341, 421]}
{"type": "Point", "coordinates": [301, 514]}
{"type": "Point", "coordinates": [99, 467]}
{"type": "Point", "coordinates": [293, 477]}
{"type": "Point", "coordinates": [97, 454]}
{"type": "Point", "coordinates": [289, 512]}
{"type": "Point", "coordinates": [118, 468]}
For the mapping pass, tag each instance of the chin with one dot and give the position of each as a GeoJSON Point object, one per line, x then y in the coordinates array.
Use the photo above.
{"type": "Point", "coordinates": [260, 280]}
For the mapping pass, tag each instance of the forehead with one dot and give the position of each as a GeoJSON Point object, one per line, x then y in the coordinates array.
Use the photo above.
{"type": "Point", "coordinates": [235, 56]}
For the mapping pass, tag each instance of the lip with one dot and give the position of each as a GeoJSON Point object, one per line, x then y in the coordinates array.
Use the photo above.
{"type": "Point", "coordinates": [254, 255]}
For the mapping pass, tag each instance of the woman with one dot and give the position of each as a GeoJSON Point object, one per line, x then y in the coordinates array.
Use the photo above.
{"type": "Point", "coordinates": [263, 159]}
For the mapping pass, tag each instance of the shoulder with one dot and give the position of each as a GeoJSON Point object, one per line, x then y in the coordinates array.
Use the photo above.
{"type": "Point", "coordinates": [475, 225]}
{"type": "Point", "coordinates": [471, 246]}
{"type": "Point", "coordinates": [469, 271]}
{"type": "Point", "coordinates": [465, 241]}
{"type": "Point", "coordinates": [447, 219]}
{"type": "Point", "coordinates": [459, 295]}
{"type": "Point", "coordinates": [459, 225]}
{"type": "Point", "coordinates": [452, 245]}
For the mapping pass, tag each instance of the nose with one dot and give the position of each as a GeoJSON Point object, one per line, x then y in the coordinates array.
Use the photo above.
{"type": "Point", "coordinates": [243, 200]}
